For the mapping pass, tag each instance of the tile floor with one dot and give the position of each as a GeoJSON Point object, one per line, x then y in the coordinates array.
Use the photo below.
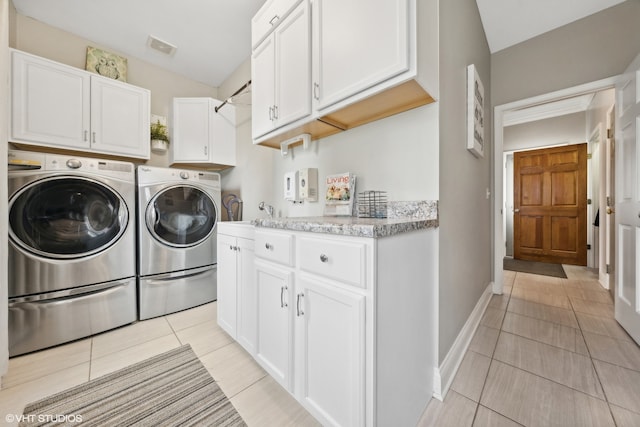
{"type": "Point", "coordinates": [259, 399]}
{"type": "Point", "coordinates": [548, 352]}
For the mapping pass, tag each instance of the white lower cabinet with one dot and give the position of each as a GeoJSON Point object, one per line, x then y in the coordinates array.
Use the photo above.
{"type": "Point", "coordinates": [237, 294]}
{"type": "Point", "coordinates": [347, 324]}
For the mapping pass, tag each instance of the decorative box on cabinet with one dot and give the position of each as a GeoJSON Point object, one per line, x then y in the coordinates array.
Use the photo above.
{"type": "Point", "coordinates": [383, 70]}
{"type": "Point", "coordinates": [200, 135]}
{"type": "Point", "coordinates": [237, 293]}
{"type": "Point", "coordinates": [56, 105]}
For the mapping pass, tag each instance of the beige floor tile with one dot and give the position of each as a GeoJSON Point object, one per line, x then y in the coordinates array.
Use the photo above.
{"type": "Point", "coordinates": [528, 277]}
{"type": "Point", "coordinates": [455, 411]}
{"type": "Point", "coordinates": [485, 417]}
{"type": "Point", "coordinates": [267, 404]}
{"type": "Point", "coordinates": [39, 364]}
{"type": "Point", "coordinates": [625, 418]}
{"type": "Point", "coordinates": [603, 297]}
{"type": "Point", "coordinates": [204, 337]}
{"type": "Point", "coordinates": [508, 277]}
{"type": "Point", "coordinates": [555, 300]}
{"type": "Point", "coordinates": [484, 341]}
{"type": "Point", "coordinates": [555, 364]}
{"type": "Point", "coordinates": [540, 330]}
{"type": "Point", "coordinates": [187, 318]}
{"type": "Point", "coordinates": [593, 308]}
{"type": "Point", "coordinates": [539, 286]}
{"type": "Point", "coordinates": [558, 315]}
{"type": "Point", "coordinates": [233, 368]}
{"type": "Point", "coordinates": [580, 273]}
{"type": "Point", "coordinates": [587, 285]}
{"type": "Point", "coordinates": [128, 336]}
{"type": "Point", "coordinates": [534, 401]}
{"type": "Point", "coordinates": [13, 400]}
{"type": "Point", "coordinates": [621, 385]}
{"type": "Point", "coordinates": [471, 375]}
{"type": "Point", "coordinates": [500, 302]}
{"type": "Point", "coordinates": [602, 326]}
{"type": "Point", "coordinates": [492, 318]}
{"type": "Point", "coordinates": [129, 356]}
{"type": "Point", "coordinates": [610, 350]}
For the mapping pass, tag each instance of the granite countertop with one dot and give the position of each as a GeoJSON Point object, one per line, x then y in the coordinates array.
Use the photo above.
{"type": "Point", "coordinates": [402, 218]}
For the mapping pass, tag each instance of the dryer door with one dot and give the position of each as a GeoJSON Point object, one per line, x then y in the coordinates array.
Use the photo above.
{"type": "Point", "coordinates": [181, 216]}
{"type": "Point", "coordinates": [66, 217]}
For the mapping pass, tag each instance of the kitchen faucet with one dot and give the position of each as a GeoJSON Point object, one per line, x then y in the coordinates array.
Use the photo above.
{"type": "Point", "coordinates": [267, 208]}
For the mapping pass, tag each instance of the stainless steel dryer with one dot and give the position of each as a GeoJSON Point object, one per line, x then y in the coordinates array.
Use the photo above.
{"type": "Point", "coordinates": [178, 211]}
{"type": "Point", "coordinates": [71, 248]}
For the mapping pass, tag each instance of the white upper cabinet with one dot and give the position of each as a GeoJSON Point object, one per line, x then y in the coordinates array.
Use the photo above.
{"type": "Point", "coordinates": [358, 44]}
{"type": "Point", "coordinates": [281, 73]}
{"type": "Point", "coordinates": [200, 135]}
{"type": "Point", "coordinates": [268, 17]}
{"type": "Point", "coordinates": [55, 105]}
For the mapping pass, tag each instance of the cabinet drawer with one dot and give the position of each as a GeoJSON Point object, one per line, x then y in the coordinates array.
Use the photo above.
{"type": "Point", "coordinates": [268, 17]}
{"type": "Point", "coordinates": [338, 260]}
{"type": "Point", "coordinates": [274, 246]}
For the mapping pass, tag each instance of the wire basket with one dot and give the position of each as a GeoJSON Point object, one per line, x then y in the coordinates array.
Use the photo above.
{"type": "Point", "coordinates": [372, 204]}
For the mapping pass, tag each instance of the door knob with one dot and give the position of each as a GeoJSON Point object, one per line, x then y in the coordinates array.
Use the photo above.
{"type": "Point", "coordinates": [516, 210]}
{"type": "Point", "coordinates": [610, 210]}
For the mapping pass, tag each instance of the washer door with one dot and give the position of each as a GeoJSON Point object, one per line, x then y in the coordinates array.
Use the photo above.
{"type": "Point", "coordinates": [66, 217]}
{"type": "Point", "coordinates": [181, 216]}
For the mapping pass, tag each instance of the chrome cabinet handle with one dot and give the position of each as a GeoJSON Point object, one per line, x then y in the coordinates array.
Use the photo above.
{"type": "Point", "coordinates": [316, 91]}
{"type": "Point", "coordinates": [275, 19]}
{"type": "Point", "coordinates": [268, 247]}
{"type": "Point", "coordinates": [271, 113]}
{"type": "Point", "coordinates": [86, 135]}
{"type": "Point", "coordinates": [324, 258]}
{"type": "Point", "coordinates": [299, 311]}
{"type": "Point", "coordinates": [283, 303]}
{"type": "Point", "coordinates": [275, 112]}
{"type": "Point", "coordinates": [94, 137]}
{"type": "Point", "coordinates": [232, 248]}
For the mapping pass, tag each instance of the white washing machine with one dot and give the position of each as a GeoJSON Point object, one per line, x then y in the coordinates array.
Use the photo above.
{"type": "Point", "coordinates": [178, 213]}
{"type": "Point", "coordinates": [71, 248]}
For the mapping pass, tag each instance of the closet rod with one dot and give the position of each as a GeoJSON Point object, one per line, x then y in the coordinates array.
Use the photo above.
{"type": "Point", "coordinates": [244, 86]}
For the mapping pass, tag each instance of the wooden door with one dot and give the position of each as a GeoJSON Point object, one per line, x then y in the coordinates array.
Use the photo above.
{"type": "Point", "coordinates": [550, 205]}
{"type": "Point", "coordinates": [627, 218]}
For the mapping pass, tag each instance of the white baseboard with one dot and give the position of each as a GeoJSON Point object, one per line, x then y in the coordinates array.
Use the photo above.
{"type": "Point", "coordinates": [443, 376]}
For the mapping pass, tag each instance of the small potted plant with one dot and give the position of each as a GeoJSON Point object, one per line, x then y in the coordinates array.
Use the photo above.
{"type": "Point", "coordinates": [159, 137]}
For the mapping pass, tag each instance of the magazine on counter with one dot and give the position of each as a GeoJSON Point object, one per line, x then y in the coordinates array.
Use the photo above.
{"type": "Point", "coordinates": [340, 193]}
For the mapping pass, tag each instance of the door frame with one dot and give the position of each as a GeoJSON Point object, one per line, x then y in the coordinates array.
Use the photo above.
{"type": "Point", "coordinates": [498, 166]}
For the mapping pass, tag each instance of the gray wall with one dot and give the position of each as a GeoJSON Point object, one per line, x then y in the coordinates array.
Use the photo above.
{"type": "Point", "coordinates": [567, 129]}
{"type": "Point", "coordinates": [465, 210]}
{"type": "Point", "coordinates": [593, 48]}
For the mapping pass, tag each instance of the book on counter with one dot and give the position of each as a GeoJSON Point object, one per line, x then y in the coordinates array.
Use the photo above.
{"type": "Point", "coordinates": [340, 194]}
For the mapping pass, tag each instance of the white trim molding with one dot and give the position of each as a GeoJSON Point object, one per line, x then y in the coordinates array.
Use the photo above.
{"type": "Point", "coordinates": [444, 375]}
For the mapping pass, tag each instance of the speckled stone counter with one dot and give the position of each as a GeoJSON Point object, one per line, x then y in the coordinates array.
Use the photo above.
{"type": "Point", "coordinates": [403, 217]}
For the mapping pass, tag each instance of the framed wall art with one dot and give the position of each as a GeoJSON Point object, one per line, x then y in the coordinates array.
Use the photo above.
{"type": "Point", "coordinates": [106, 64]}
{"type": "Point", "coordinates": [475, 112]}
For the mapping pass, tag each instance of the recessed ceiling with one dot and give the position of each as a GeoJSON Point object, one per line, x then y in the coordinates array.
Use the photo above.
{"type": "Point", "coordinates": [509, 22]}
{"type": "Point", "coordinates": [212, 37]}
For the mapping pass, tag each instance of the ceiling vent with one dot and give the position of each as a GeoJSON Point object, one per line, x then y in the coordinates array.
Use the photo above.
{"type": "Point", "coordinates": [161, 46]}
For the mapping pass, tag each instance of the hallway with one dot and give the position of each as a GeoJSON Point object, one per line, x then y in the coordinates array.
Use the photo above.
{"type": "Point", "coordinates": [548, 352]}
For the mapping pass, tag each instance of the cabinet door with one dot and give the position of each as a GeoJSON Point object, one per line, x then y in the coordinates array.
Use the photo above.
{"type": "Point", "coordinates": [274, 349]}
{"type": "Point", "coordinates": [227, 284]}
{"type": "Point", "coordinates": [119, 118]}
{"type": "Point", "coordinates": [330, 352]}
{"type": "Point", "coordinates": [293, 66]}
{"type": "Point", "coordinates": [190, 133]}
{"type": "Point", "coordinates": [247, 296]}
{"type": "Point", "coordinates": [50, 103]}
{"type": "Point", "coordinates": [223, 140]}
{"type": "Point", "coordinates": [358, 44]}
{"type": "Point", "coordinates": [263, 87]}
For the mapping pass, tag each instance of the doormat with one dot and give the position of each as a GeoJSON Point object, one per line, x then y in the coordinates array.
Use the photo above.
{"type": "Point", "coordinates": [172, 388]}
{"type": "Point", "coordinates": [533, 267]}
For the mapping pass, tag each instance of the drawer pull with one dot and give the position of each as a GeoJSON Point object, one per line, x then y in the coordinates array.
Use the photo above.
{"type": "Point", "coordinates": [299, 311]}
{"type": "Point", "coordinates": [324, 258]}
{"type": "Point", "coordinates": [268, 246]}
{"type": "Point", "coordinates": [273, 20]}
{"type": "Point", "coordinates": [283, 304]}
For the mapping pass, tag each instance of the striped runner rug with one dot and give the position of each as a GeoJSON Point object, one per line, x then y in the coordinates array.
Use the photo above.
{"type": "Point", "coordinates": [170, 389]}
